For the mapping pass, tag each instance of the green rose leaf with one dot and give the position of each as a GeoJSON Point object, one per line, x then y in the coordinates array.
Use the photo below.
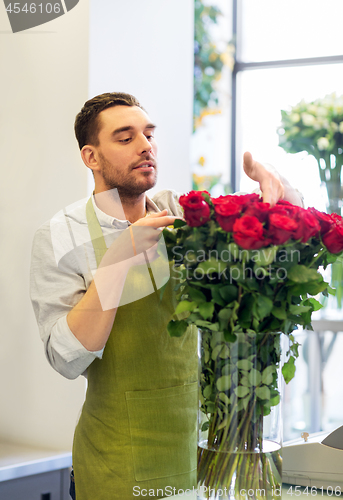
{"type": "Point", "coordinates": [185, 305]}
{"type": "Point", "coordinates": [263, 392]}
{"type": "Point", "coordinates": [205, 426]}
{"type": "Point", "coordinates": [217, 297]}
{"type": "Point", "coordinates": [229, 336]}
{"type": "Point", "coordinates": [216, 351]}
{"type": "Point", "coordinates": [177, 328]}
{"type": "Point", "coordinates": [279, 313]}
{"type": "Point", "coordinates": [212, 266]}
{"type": "Point", "coordinates": [206, 309]}
{"type": "Point", "coordinates": [303, 274]}
{"type": "Point", "coordinates": [225, 313]}
{"type": "Point", "coordinates": [315, 304]}
{"type": "Point", "coordinates": [264, 256]}
{"type": "Point", "coordinates": [210, 407]}
{"type": "Point", "coordinates": [263, 306]}
{"type": "Point", "coordinates": [179, 223]}
{"type": "Point", "coordinates": [196, 295]}
{"type": "Point", "coordinates": [207, 391]}
{"type": "Point", "coordinates": [275, 400]}
{"type": "Point", "coordinates": [224, 398]}
{"type": "Point", "coordinates": [246, 402]}
{"type": "Point", "coordinates": [254, 377]}
{"type": "Point", "coordinates": [294, 309]}
{"type": "Point", "coordinates": [228, 293]}
{"type": "Point", "coordinates": [241, 391]}
{"type": "Point", "coordinates": [288, 369]}
{"type": "Point", "coordinates": [214, 327]}
{"type": "Point", "coordinates": [223, 383]}
{"type": "Point", "coordinates": [245, 381]}
{"type": "Point", "coordinates": [244, 364]}
{"type": "Point", "coordinates": [312, 288]}
{"type": "Point", "coordinates": [267, 375]}
{"type": "Point", "coordinates": [225, 352]}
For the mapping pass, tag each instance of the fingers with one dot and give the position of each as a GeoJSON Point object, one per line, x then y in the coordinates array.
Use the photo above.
{"type": "Point", "coordinates": [270, 185]}
{"type": "Point", "coordinates": [248, 165]}
{"type": "Point", "coordinates": [156, 220]}
{"type": "Point", "coordinates": [131, 242]}
{"type": "Point", "coordinates": [253, 168]}
{"type": "Point", "coordinates": [144, 237]}
{"type": "Point", "coordinates": [272, 191]}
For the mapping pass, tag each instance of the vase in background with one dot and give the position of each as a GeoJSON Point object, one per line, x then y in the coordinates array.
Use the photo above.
{"type": "Point", "coordinates": [332, 193]}
{"type": "Point", "coordinates": [240, 425]}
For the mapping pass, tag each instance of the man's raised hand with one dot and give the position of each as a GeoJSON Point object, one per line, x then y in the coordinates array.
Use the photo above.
{"type": "Point", "coordinates": [270, 184]}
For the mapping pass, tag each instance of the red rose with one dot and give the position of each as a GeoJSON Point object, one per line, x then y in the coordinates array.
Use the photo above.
{"type": "Point", "coordinates": [285, 208]}
{"type": "Point", "coordinates": [246, 199]}
{"type": "Point", "coordinates": [281, 228]}
{"type": "Point", "coordinates": [227, 211]}
{"type": "Point", "coordinates": [196, 210]}
{"type": "Point", "coordinates": [308, 225]}
{"type": "Point", "coordinates": [285, 203]}
{"type": "Point", "coordinates": [333, 239]}
{"type": "Point", "coordinates": [336, 218]}
{"type": "Point", "coordinates": [258, 209]}
{"type": "Point", "coordinates": [223, 199]}
{"type": "Point", "coordinates": [248, 233]}
{"type": "Point", "coordinates": [325, 220]}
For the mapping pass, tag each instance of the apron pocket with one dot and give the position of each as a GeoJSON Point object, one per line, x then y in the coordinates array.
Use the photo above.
{"type": "Point", "coordinates": [163, 428]}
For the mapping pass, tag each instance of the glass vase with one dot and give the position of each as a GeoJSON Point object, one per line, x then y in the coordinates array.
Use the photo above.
{"type": "Point", "coordinates": [239, 421]}
{"type": "Point", "coordinates": [333, 304]}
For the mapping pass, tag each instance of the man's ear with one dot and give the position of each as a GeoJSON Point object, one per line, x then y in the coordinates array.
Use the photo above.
{"type": "Point", "coordinates": [89, 157]}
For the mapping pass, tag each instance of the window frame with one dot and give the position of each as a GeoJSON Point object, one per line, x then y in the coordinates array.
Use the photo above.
{"type": "Point", "coordinates": [241, 66]}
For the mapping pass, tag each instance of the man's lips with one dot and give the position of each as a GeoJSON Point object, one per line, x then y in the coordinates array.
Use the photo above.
{"type": "Point", "coordinates": [145, 166]}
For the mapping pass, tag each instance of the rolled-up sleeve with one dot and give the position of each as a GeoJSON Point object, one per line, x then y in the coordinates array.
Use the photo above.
{"type": "Point", "coordinates": [54, 292]}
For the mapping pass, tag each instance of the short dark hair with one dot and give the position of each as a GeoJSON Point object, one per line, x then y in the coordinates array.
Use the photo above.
{"type": "Point", "coordinates": [87, 122]}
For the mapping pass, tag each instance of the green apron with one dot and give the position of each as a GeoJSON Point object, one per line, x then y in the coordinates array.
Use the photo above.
{"type": "Point", "coordinates": [137, 430]}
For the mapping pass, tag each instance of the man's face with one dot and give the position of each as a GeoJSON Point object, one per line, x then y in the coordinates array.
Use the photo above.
{"type": "Point", "coordinates": [127, 150]}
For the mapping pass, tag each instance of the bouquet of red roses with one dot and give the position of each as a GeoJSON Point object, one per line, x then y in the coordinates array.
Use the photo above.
{"type": "Point", "coordinates": [245, 272]}
{"type": "Point", "coordinates": [254, 224]}
{"type": "Point", "coordinates": [264, 254]}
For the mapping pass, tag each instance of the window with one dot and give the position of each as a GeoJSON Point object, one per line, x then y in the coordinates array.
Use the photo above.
{"type": "Point", "coordinates": [285, 52]}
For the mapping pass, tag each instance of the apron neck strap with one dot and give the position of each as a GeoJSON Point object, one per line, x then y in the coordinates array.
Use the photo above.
{"type": "Point", "coordinates": [95, 231]}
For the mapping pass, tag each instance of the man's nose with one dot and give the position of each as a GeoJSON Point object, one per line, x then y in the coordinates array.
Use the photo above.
{"type": "Point", "coordinates": [144, 145]}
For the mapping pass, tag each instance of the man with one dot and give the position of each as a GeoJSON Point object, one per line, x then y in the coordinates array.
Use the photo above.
{"type": "Point", "coordinates": [136, 432]}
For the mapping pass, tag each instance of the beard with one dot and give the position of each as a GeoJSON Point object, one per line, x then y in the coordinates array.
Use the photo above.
{"type": "Point", "coordinates": [125, 182]}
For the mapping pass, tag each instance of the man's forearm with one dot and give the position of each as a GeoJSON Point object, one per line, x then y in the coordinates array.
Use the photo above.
{"type": "Point", "coordinates": [88, 320]}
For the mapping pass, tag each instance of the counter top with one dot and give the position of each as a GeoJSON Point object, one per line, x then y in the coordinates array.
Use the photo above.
{"type": "Point", "coordinates": [20, 461]}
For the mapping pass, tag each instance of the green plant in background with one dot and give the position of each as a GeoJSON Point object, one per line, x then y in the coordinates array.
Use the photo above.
{"type": "Point", "coordinates": [204, 182]}
{"type": "Point", "coordinates": [209, 61]}
{"type": "Point", "coordinates": [317, 127]}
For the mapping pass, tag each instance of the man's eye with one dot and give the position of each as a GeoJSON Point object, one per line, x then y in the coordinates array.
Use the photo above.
{"type": "Point", "coordinates": [149, 137]}
{"type": "Point", "coordinates": [125, 140]}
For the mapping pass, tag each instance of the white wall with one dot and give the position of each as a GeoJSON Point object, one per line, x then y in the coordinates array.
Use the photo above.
{"type": "Point", "coordinates": [43, 85]}
{"type": "Point", "coordinates": [145, 48]}
{"type": "Point", "coordinates": [141, 47]}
